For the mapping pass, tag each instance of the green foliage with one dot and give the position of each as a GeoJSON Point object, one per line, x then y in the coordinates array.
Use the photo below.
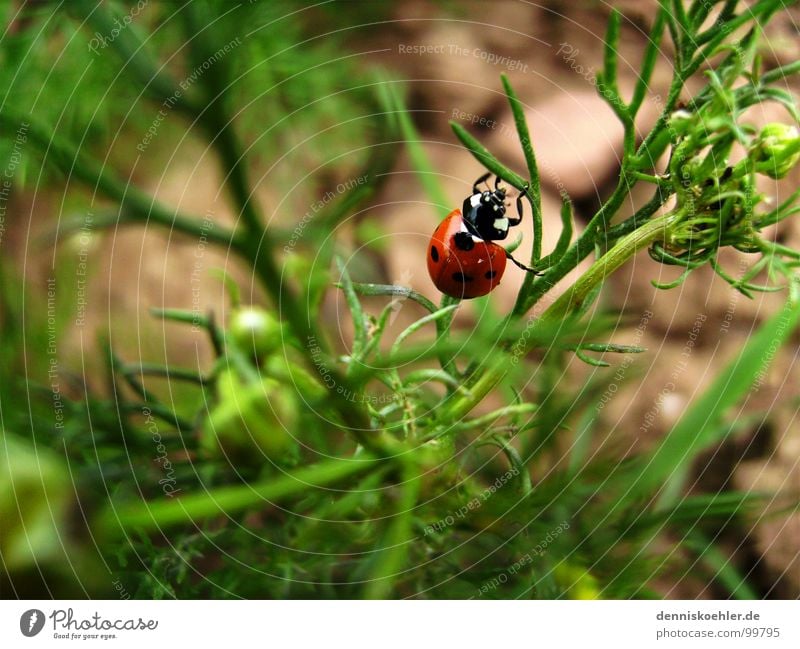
{"type": "Point", "coordinates": [379, 469]}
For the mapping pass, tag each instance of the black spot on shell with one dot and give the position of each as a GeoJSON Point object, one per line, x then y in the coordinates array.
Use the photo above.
{"type": "Point", "coordinates": [490, 274]}
{"type": "Point", "coordinates": [463, 241]}
{"type": "Point", "coordinates": [434, 253]}
{"type": "Point", "coordinates": [461, 277]}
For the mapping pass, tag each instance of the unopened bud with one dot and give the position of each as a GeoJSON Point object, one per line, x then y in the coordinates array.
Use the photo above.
{"type": "Point", "coordinates": [777, 150]}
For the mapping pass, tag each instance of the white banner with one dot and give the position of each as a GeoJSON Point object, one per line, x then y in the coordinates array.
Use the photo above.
{"type": "Point", "coordinates": [400, 625]}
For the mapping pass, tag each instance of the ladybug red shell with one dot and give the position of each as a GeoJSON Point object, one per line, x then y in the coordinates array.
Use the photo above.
{"type": "Point", "coordinates": [462, 265]}
{"type": "Point", "coordinates": [463, 260]}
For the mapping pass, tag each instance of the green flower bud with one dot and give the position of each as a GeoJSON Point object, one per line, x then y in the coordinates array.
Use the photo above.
{"type": "Point", "coordinates": [681, 121]}
{"type": "Point", "coordinates": [34, 499]}
{"type": "Point", "coordinates": [690, 174]}
{"type": "Point", "coordinates": [251, 421]}
{"type": "Point", "coordinates": [289, 373]}
{"type": "Point", "coordinates": [255, 331]}
{"type": "Point", "coordinates": [777, 150]}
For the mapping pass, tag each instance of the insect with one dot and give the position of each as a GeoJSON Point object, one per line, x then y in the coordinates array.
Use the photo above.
{"type": "Point", "coordinates": [463, 260]}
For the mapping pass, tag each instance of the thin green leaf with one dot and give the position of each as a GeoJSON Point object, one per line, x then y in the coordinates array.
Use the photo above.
{"type": "Point", "coordinates": [698, 12]}
{"type": "Point", "coordinates": [169, 372]}
{"type": "Point", "coordinates": [783, 97]}
{"type": "Point", "coordinates": [225, 501]}
{"type": "Point", "coordinates": [648, 62]}
{"type": "Point", "coordinates": [721, 567]}
{"type": "Point", "coordinates": [516, 462]}
{"type": "Point", "coordinates": [377, 331]}
{"type": "Point", "coordinates": [564, 238]}
{"type": "Point", "coordinates": [433, 317]}
{"type": "Point", "coordinates": [594, 362]}
{"type": "Point", "coordinates": [682, 19]}
{"type": "Point", "coordinates": [780, 73]}
{"type": "Point", "coordinates": [394, 291]}
{"type": "Point", "coordinates": [701, 427]}
{"type": "Point", "coordinates": [357, 313]}
{"type": "Point", "coordinates": [230, 285]}
{"type": "Point", "coordinates": [516, 243]}
{"type": "Point", "coordinates": [482, 155]}
{"type": "Point", "coordinates": [389, 563]}
{"type": "Point", "coordinates": [779, 213]}
{"type": "Point", "coordinates": [490, 419]}
{"type": "Point", "coordinates": [611, 51]}
{"type": "Point", "coordinates": [673, 284]}
{"type": "Point", "coordinates": [728, 23]}
{"type": "Point", "coordinates": [612, 348]}
{"type": "Point", "coordinates": [419, 158]}
{"type": "Point", "coordinates": [535, 190]}
{"type": "Point", "coordinates": [423, 376]}
{"type": "Point", "coordinates": [687, 512]}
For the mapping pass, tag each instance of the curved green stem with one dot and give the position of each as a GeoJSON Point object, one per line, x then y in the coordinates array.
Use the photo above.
{"type": "Point", "coordinates": [398, 540]}
{"type": "Point", "coordinates": [625, 248]}
{"type": "Point", "coordinates": [565, 306]}
{"type": "Point", "coordinates": [579, 250]}
{"type": "Point", "coordinates": [225, 501]}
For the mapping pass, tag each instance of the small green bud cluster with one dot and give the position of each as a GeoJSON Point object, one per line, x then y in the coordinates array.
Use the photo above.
{"type": "Point", "coordinates": [776, 150]}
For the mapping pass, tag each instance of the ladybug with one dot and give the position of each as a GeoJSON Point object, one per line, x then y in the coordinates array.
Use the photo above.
{"type": "Point", "coordinates": [463, 260]}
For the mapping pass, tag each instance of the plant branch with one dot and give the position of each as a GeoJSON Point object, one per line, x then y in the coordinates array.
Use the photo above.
{"type": "Point", "coordinates": [225, 501]}
{"type": "Point", "coordinates": [135, 206]}
{"type": "Point", "coordinates": [564, 307]}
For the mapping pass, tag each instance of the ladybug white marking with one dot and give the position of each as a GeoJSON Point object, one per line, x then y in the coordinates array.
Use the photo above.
{"type": "Point", "coordinates": [464, 228]}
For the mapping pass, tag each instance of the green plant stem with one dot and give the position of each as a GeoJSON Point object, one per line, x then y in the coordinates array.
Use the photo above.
{"type": "Point", "coordinates": [623, 250]}
{"type": "Point", "coordinates": [256, 246]}
{"type": "Point", "coordinates": [220, 133]}
{"type": "Point", "coordinates": [164, 371]}
{"type": "Point", "coordinates": [584, 245]}
{"type": "Point", "coordinates": [216, 121]}
{"type": "Point", "coordinates": [391, 559]}
{"type": "Point", "coordinates": [563, 307]}
{"type": "Point", "coordinates": [644, 158]}
{"type": "Point", "coordinates": [535, 191]}
{"type": "Point", "coordinates": [394, 291]}
{"type": "Point", "coordinates": [132, 52]}
{"type": "Point", "coordinates": [225, 501]}
{"type": "Point", "coordinates": [135, 206]}
{"type": "Point", "coordinates": [269, 274]}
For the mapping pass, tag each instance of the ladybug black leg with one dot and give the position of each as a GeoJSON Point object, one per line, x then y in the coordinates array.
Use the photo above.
{"type": "Point", "coordinates": [527, 269]}
{"type": "Point", "coordinates": [520, 210]}
{"type": "Point", "coordinates": [517, 220]}
{"type": "Point", "coordinates": [480, 180]}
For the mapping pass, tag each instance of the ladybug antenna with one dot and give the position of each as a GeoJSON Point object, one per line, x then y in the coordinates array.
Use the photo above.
{"type": "Point", "coordinates": [527, 269]}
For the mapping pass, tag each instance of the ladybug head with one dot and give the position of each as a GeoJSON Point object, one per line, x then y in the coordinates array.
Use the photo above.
{"type": "Point", "coordinates": [484, 213]}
